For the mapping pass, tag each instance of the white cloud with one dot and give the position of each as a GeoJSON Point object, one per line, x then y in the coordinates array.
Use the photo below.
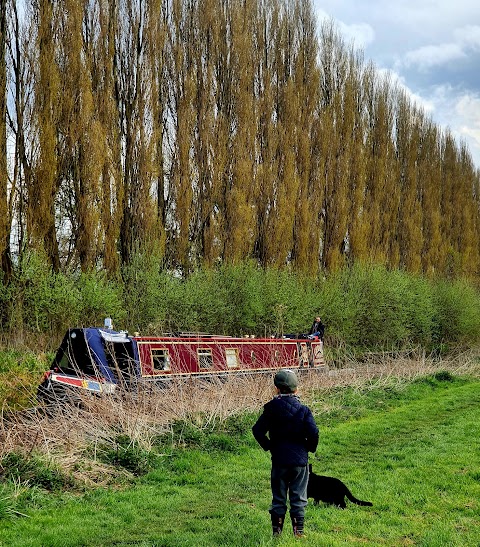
{"type": "Point", "coordinates": [425, 103]}
{"type": "Point", "coordinates": [459, 111]}
{"type": "Point", "coordinates": [469, 36]}
{"type": "Point", "coordinates": [429, 49]}
{"type": "Point", "coordinates": [467, 109]}
{"type": "Point", "coordinates": [468, 106]}
{"type": "Point", "coordinates": [466, 39]}
{"type": "Point", "coordinates": [429, 56]}
{"type": "Point", "coordinates": [361, 34]}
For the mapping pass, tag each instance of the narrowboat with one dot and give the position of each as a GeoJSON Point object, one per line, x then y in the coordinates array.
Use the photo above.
{"type": "Point", "coordinates": [98, 360]}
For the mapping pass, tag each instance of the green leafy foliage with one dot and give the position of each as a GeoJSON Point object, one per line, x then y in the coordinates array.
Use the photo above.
{"type": "Point", "coordinates": [45, 301]}
{"type": "Point", "coordinates": [15, 360]}
{"type": "Point", "coordinates": [20, 373]}
{"type": "Point", "coordinates": [146, 288]}
{"type": "Point", "coordinates": [365, 307]}
{"type": "Point", "coordinates": [99, 298]}
{"type": "Point", "coordinates": [457, 312]}
{"type": "Point", "coordinates": [370, 307]}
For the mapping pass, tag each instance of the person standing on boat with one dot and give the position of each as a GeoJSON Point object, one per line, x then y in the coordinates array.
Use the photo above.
{"type": "Point", "coordinates": [318, 329]}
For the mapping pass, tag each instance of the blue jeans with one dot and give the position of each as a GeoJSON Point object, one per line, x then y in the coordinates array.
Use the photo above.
{"type": "Point", "coordinates": [292, 481]}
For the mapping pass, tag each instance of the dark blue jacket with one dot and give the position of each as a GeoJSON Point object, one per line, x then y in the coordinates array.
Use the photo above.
{"type": "Point", "coordinates": [292, 431]}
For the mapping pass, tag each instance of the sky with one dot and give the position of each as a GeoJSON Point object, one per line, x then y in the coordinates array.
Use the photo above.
{"type": "Point", "coordinates": [432, 47]}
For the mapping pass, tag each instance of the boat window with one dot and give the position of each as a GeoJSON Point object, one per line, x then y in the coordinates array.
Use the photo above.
{"type": "Point", "coordinates": [63, 362]}
{"type": "Point", "coordinates": [73, 356]}
{"type": "Point", "coordinates": [232, 357]}
{"type": "Point", "coordinates": [120, 358]}
{"type": "Point", "coordinates": [205, 358]}
{"type": "Point", "coordinates": [160, 359]}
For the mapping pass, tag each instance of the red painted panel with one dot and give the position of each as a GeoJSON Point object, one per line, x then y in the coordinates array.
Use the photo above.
{"type": "Point", "coordinates": [252, 354]}
{"type": "Point", "coordinates": [77, 382]}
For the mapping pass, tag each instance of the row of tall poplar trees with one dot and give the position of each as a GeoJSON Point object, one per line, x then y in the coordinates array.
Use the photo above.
{"type": "Point", "coordinates": [209, 131]}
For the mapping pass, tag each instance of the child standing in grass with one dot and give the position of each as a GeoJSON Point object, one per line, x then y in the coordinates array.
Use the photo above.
{"type": "Point", "coordinates": [292, 434]}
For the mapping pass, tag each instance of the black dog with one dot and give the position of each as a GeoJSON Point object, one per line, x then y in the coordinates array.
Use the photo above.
{"type": "Point", "coordinates": [330, 490]}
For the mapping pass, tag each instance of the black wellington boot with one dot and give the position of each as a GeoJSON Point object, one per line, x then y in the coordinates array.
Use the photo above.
{"type": "Point", "coordinates": [297, 525]}
{"type": "Point", "coordinates": [277, 523]}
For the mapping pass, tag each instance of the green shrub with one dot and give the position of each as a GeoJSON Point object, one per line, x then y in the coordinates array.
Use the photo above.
{"type": "Point", "coordinates": [34, 470]}
{"type": "Point", "coordinates": [49, 302]}
{"type": "Point", "coordinates": [368, 307]}
{"type": "Point", "coordinates": [219, 300]}
{"type": "Point", "coordinates": [99, 298]}
{"type": "Point", "coordinates": [438, 379]}
{"type": "Point", "coordinates": [185, 432]}
{"type": "Point", "coordinates": [291, 302]}
{"type": "Point", "coordinates": [444, 376]}
{"type": "Point", "coordinates": [365, 307]}
{"type": "Point", "coordinates": [20, 374]}
{"type": "Point", "coordinates": [242, 299]}
{"type": "Point", "coordinates": [457, 312]}
{"type": "Point", "coordinates": [239, 425]}
{"type": "Point", "coordinates": [143, 297]}
{"type": "Point", "coordinates": [44, 300]}
{"type": "Point", "coordinates": [196, 432]}
{"type": "Point", "coordinates": [21, 361]}
{"type": "Point", "coordinates": [125, 453]}
{"type": "Point", "coordinates": [221, 442]}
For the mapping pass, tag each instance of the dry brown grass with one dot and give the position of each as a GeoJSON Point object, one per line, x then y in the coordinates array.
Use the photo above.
{"type": "Point", "coordinates": [69, 436]}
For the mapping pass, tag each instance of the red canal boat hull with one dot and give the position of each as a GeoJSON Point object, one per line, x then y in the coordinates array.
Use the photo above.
{"type": "Point", "coordinates": [98, 359]}
{"type": "Point", "coordinates": [210, 355]}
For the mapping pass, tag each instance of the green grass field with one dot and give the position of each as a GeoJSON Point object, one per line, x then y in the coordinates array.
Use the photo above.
{"type": "Point", "coordinates": [410, 448]}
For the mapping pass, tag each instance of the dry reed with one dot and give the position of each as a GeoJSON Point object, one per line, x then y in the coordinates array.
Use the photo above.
{"type": "Point", "coordinates": [69, 435]}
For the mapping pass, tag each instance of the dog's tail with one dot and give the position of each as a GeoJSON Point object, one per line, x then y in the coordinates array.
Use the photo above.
{"type": "Point", "coordinates": [352, 498]}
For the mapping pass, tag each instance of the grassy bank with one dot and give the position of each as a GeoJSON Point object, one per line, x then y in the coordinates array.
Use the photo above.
{"type": "Point", "coordinates": [409, 445]}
